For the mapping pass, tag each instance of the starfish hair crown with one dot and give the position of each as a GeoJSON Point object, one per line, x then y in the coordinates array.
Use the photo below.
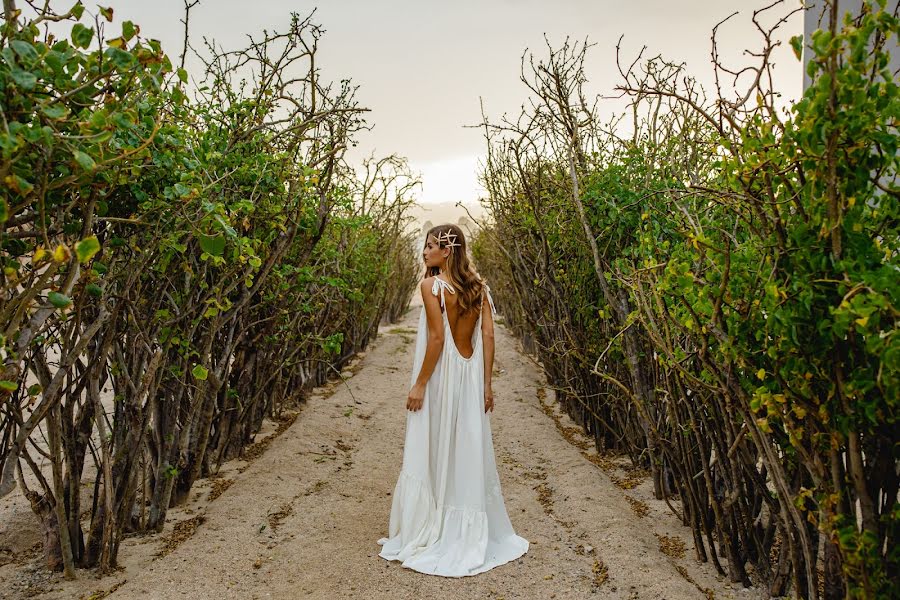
{"type": "Point", "coordinates": [448, 239]}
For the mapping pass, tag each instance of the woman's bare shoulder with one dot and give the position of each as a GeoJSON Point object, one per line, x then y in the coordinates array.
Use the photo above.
{"type": "Point", "coordinates": [427, 286]}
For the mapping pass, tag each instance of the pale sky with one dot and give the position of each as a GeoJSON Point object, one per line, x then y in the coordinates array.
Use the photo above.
{"type": "Point", "coordinates": [422, 65]}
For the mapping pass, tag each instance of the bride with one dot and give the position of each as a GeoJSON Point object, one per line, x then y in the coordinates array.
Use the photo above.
{"type": "Point", "coordinates": [448, 516]}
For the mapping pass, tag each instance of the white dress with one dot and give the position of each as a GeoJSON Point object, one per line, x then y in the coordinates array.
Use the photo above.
{"type": "Point", "coordinates": [447, 516]}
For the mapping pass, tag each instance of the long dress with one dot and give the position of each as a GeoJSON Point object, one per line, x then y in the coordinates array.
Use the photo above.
{"type": "Point", "coordinates": [448, 515]}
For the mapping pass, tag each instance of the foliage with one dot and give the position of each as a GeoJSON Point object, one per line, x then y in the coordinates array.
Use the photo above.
{"type": "Point", "coordinates": [174, 269]}
{"type": "Point", "coordinates": [715, 293]}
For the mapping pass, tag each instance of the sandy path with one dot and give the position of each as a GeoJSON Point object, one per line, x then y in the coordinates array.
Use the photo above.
{"type": "Point", "coordinates": [303, 519]}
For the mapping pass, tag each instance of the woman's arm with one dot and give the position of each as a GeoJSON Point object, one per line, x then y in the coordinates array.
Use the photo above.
{"type": "Point", "coordinates": [432, 349]}
{"type": "Point", "coordinates": [487, 338]}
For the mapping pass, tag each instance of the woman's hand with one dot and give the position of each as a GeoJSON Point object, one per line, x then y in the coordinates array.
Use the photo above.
{"type": "Point", "coordinates": [416, 397]}
{"type": "Point", "coordinates": [488, 399]}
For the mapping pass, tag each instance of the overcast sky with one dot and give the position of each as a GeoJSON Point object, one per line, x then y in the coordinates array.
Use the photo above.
{"type": "Point", "coordinates": [422, 65]}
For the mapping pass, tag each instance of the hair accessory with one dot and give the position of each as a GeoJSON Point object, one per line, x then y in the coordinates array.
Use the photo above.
{"type": "Point", "coordinates": [448, 239]}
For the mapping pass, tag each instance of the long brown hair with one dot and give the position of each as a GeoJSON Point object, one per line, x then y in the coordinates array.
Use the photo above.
{"type": "Point", "coordinates": [459, 272]}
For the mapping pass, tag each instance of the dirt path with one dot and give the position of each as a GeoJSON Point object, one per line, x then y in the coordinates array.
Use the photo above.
{"type": "Point", "coordinates": [302, 520]}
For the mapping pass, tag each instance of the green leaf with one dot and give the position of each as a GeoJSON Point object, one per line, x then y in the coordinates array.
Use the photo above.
{"type": "Point", "coordinates": [122, 59]}
{"type": "Point", "coordinates": [106, 12]}
{"type": "Point", "coordinates": [81, 35]}
{"type": "Point", "coordinates": [755, 403]}
{"type": "Point", "coordinates": [87, 248]}
{"type": "Point", "coordinates": [55, 60]}
{"type": "Point", "coordinates": [9, 386]}
{"type": "Point", "coordinates": [24, 79]}
{"type": "Point", "coordinates": [59, 300]}
{"type": "Point", "coordinates": [94, 290]}
{"type": "Point", "coordinates": [200, 373]}
{"type": "Point", "coordinates": [86, 162]}
{"type": "Point", "coordinates": [54, 112]}
{"type": "Point", "coordinates": [128, 30]}
{"type": "Point", "coordinates": [77, 10]}
{"type": "Point", "coordinates": [22, 186]}
{"type": "Point", "coordinates": [797, 45]}
{"type": "Point", "coordinates": [25, 50]}
{"type": "Point", "coordinates": [213, 244]}
{"type": "Point", "coordinates": [182, 75]}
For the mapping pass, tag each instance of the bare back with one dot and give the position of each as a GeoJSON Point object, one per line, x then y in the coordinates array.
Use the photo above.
{"type": "Point", "coordinates": [462, 327]}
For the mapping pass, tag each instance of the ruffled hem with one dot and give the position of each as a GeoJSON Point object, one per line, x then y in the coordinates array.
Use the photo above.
{"type": "Point", "coordinates": [413, 519]}
{"type": "Point", "coordinates": [464, 548]}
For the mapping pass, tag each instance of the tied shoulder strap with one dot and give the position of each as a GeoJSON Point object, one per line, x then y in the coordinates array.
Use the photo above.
{"type": "Point", "coordinates": [487, 290]}
{"type": "Point", "coordinates": [438, 286]}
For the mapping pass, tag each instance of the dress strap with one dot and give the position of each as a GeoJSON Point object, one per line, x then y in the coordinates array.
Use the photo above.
{"type": "Point", "coordinates": [487, 290]}
{"type": "Point", "coordinates": [440, 284]}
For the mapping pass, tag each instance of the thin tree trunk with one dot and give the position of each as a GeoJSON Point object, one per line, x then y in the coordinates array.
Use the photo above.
{"type": "Point", "coordinates": [53, 434]}
{"type": "Point", "coordinates": [109, 512]}
{"type": "Point", "coordinates": [9, 10]}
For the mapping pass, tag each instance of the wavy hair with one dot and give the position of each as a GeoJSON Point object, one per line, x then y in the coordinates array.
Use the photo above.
{"type": "Point", "coordinates": [467, 283]}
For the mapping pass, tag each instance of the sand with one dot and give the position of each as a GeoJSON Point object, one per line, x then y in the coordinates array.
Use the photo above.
{"type": "Point", "coordinates": [302, 519]}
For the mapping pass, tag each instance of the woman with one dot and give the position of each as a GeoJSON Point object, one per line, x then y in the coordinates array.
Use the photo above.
{"type": "Point", "coordinates": [448, 516]}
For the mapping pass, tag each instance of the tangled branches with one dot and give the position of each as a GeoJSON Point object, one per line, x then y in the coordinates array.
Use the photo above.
{"type": "Point", "coordinates": [711, 287]}
{"type": "Point", "coordinates": [174, 270]}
